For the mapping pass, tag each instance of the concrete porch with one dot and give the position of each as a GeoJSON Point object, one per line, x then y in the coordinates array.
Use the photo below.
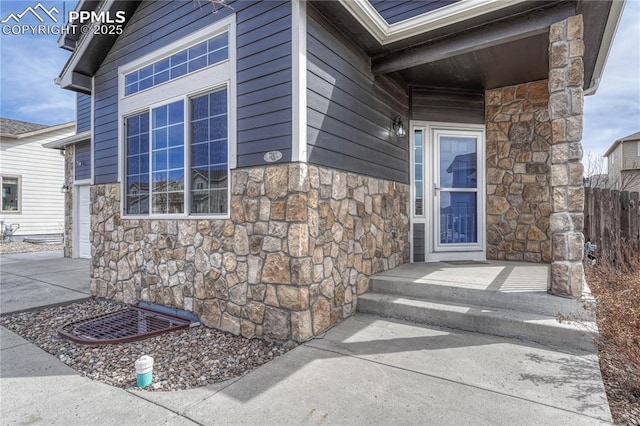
{"type": "Point", "coordinates": [507, 299]}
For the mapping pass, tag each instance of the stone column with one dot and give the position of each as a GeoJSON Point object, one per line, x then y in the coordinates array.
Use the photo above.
{"type": "Point", "coordinates": [68, 201]}
{"type": "Point", "coordinates": [566, 78]}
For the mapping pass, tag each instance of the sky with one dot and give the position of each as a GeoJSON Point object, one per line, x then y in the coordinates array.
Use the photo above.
{"type": "Point", "coordinates": [29, 64]}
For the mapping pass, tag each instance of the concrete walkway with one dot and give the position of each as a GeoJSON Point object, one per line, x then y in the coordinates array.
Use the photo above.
{"type": "Point", "coordinates": [366, 370]}
{"type": "Point", "coordinates": [34, 280]}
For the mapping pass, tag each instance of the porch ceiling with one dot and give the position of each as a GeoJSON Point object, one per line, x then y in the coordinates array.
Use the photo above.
{"type": "Point", "coordinates": [505, 47]}
{"type": "Point", "coordinates": [497, 66]}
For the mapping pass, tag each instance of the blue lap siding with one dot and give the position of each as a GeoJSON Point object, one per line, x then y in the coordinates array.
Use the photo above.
{"type": "Point", "coordinates": [263, 31]}
{"type": "Point", "coordinates": [83, 113]}
{"type": "Point", "coordinates": [394, 11]}
{"type": "Point", "coordinates": [349, 111]}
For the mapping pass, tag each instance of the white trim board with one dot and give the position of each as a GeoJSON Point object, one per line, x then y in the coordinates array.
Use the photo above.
{"type": "Point", "coordinates": [299, 80]}
{"type": "Point", "coordinates": [386, 33]}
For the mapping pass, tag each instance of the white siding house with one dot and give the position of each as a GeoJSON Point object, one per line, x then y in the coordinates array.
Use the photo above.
{"type": "Point", "coordinates": [623, 163]}
{"type": "Point", "coordinates": [32, 177]}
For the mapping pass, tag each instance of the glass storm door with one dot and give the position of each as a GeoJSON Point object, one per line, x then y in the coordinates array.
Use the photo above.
{"type": "Point", "coordinates": [457, 209]}
{"type": "Point", "coordinates": [447, 191]}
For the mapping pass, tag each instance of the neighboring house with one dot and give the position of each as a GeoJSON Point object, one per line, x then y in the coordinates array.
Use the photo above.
{"type": "Point", "coordinates": [623, 163]}
{"type": "Point", "coordinates": [77, 178]}
{"type": "Point", "coordinates": [32, 177]}
{"type": "Point", "coordinates": [258, 164]}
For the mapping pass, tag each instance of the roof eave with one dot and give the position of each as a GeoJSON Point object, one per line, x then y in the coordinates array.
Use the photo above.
{"type": "Point", "coordinates": [613, 20]}
{"type": "Point", "coordinates": [63, 143]}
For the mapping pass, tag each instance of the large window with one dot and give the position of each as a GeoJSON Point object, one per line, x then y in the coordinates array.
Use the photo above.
{"type": "Point", "coordinates": [186, 61]}
{"type": "Point", "coordinates": [177, 114]}
{"type": "Point", "coordinates": [10, 193]}
{"type": "Point", "coordinates": [200, 147]}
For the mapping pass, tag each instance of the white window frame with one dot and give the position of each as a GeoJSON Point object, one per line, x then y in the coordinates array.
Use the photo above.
{"type": "Point", "coordinates": [19, 209]}
{"type": "Point", "coordinates": [206, 80]}
{"type": "Point", "coordinates": [432, 252]}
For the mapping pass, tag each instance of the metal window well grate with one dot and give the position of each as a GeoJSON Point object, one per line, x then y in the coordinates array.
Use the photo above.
{"type": "Point", "coordinates": [127, 325]}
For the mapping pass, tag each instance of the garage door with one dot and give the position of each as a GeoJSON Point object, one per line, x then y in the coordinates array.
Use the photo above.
{"type": "Point", "coordinates": [83, 221]}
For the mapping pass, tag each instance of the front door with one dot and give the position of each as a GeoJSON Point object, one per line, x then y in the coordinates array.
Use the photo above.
{"type": "Point", "coordinates": [447, 192]}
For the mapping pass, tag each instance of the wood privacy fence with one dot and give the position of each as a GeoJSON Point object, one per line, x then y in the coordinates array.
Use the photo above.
{"type": "Point", "coordinates": [611, 215]}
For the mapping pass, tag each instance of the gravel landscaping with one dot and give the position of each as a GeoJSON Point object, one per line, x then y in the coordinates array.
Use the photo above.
{"type": "Point", "coordinates": [22, 247]}
{"type": "Point", "coordinates": [183, 359]}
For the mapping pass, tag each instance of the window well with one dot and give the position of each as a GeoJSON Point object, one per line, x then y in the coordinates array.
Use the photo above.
{"type": "Point", "coordinates": [127, 325]}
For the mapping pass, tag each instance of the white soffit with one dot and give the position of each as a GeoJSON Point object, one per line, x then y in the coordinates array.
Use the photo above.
{"type": "Point", "coordinates": [386, 33]}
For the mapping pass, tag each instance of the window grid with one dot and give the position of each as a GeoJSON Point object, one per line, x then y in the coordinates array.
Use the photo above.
{"type": "Point", "coordinates": [186, 61]}
{"type": "Point", "coordinates": [209, 163]}
{"type": "Point", "coordinates": [168, 158]}
{"type": "Point", "coordinates": [137, 186]}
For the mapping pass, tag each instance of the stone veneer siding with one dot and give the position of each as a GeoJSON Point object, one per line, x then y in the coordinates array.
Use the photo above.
{"type": "Point", "coordinates": [298, 249]}
{"type": "Point", "coordinates": [566, 79]}
{"type": "Point", "coordinates": [68, 201]}
{"type": "Point", "coordinates": [518, 173]}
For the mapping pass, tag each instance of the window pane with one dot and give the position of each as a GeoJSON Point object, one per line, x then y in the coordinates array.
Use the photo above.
{"type": "Point", "coordinates": [179, 58]}
{"type": "Point", "coordinates": [176, 113]}
{"type": "Point", "coordinates": [146, 83]}
{"type": "Point", "coordinates": [137, 163]}
{"type": "Point", "coordinates": [457, 162]}
{"type": "Point", "coordinates": [200, 154]}
{"type": "Point", "coordinates": [161, 65]}
{"type": "Point", "coordinates": [209, 183]}
{"type": "Point", "coordinates": [198, 50]}
{"type": "Point", "coordinates": [131, 78]}
{"type": "Point", "coordinates": [458, 216]}
{"type": "Point", "coordinates": [218, 42]}
{"type": "Point", "coordinates": [178, 71]}
{"type": "Point", "coordinates": [10, 195]}
{"type": "Point", "coordinates": [218, 56]}
{"type": "Point", "coordinates": [161, 77]}
{"type": "Point", "coordinates": [418, 172]}
{"type": "Point", "coordinates": [168, 159]}
{"type": "Point", "coordinates": [198, 63]}
{"type": "Point", "coordinates": [146, 72]}
{"type": "Point", "coordinates": [160, 117]}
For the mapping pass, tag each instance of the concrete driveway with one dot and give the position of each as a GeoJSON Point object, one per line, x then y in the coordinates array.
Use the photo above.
{"type": "Point", "coordinates": [367, 370]}
{"type": "Point", "coordinates": [34, 280]}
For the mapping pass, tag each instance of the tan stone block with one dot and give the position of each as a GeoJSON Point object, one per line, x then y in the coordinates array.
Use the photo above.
{"type": "Point", "coordinates": [559, 248]}
{"type": "Point", "coordinates": [559, 153]}
{"type": "Point", "coordinates": [297, 207]}
{"type": "Point", "coordinates": [560, 278]}
{"type": "Point", "coordinates": [577, 101]}
{"type": "Point", "coordinates": [211, 314]}
{"type": "Point", "coordinates": [314, 177]}
{"type": "Point", "coordinates": [577, 279]}
{"type": "Point", "coordinates": [496, 205]}
{"type": "Point", "coordinates": [301, 326]}
{"type": "Point", "coordinates": [557, 80]}
{"type": "Point", "coordinates": [239, 182]}
{"type": "Point", "coordinates": [559, 175]}
{"type": "Point", "coordinates": [535, 192]}
{"type": "Point", "coordinates": [271, 297]}
{"type": "Point", "coordinates": [559, 55]}
{"type": "Point", "coordinates": [575, 198]}
{"type": "Point", "coordinates": [276, 269]}
{"type": "Point", "coordinates": [557, 31]}
{"type": "Point", "coordinates": [538, 91]}
{"type": "Point", "coordinates": [276, 182]}
{"type": "Point", "coordinates": [575, 73]}
{"type": "Point", "coordinates": [302, 271]}
{"type": "Point", "coordinates": [559, 199]}
{"type": "Point", "coordinates": [493, 97]}
{"type": "Point", "coordinates": [574, 128]}
{"type": "Point", "coordinates": [293, 297]}
{"type": "Point", "coordinates": [575, 246]}
{"type": "Point", "coordinates": [558, 131]}
{"type": "Point", "coordinates": [339, 186]}
{"type": "Point", "coordinates": [575, 151]}
{"type": "Point", "coordinates": [508, 94]}
{"type": "Point", "coordinates": [321, 315]}
{"type": "Point", "coordinates": [536, 234]}
{"type": "Point", "coordinates": [576, 48]}
{"type": "Point", "coordinates": [558, 106]}
{"type": "Point", "coordinates": [255, 312]}
{"type": "Point", "coordinates": [298, 239]}
{"type": "Point", "coordinates": [298, 177]}
{"type": "Point", "coordinates": [247, 329]}
{"type": "Point", "coordinates": [276, 324]}
{"type": "Point", "coordinates": [575, 27]}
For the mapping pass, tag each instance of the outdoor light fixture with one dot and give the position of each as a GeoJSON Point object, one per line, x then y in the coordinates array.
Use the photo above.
{"type": "Point", "coordinates": [398, 127]}
{"type": "Point", "coordinates": [65, 188]}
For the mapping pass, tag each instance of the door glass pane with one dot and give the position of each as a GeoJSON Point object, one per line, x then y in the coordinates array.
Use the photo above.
{"type": "Point", "coordinates": [458, 217]}
{"type": "Point", "coordinates": [457, 162]}
{"type": "Point", "coordinates": [418, 173]}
